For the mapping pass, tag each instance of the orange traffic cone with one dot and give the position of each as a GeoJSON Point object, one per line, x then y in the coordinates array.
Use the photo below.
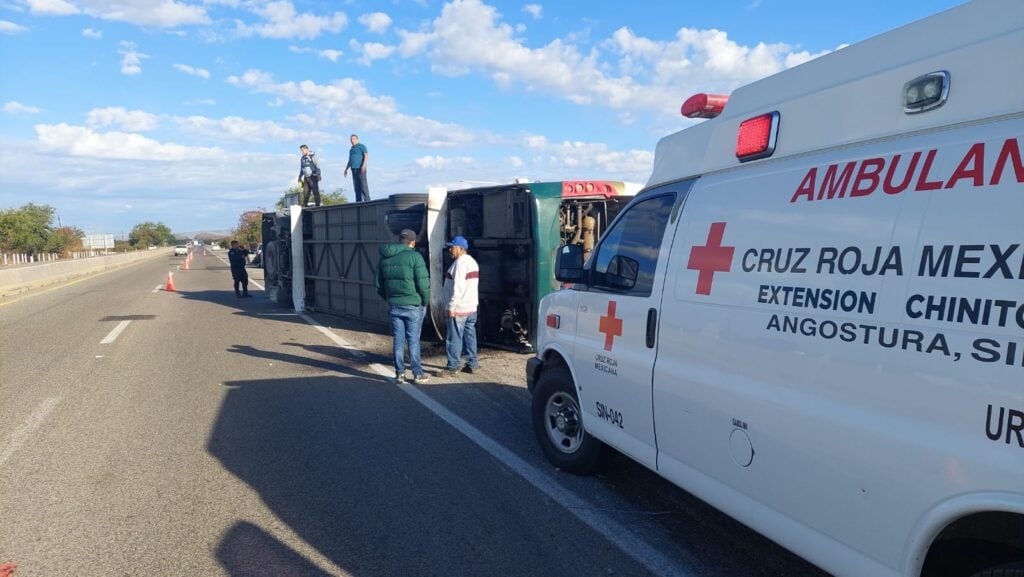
{"type": "Point", "coordinates": [170, 283]}
{"type": "Point", "coordinates": [186, 264]}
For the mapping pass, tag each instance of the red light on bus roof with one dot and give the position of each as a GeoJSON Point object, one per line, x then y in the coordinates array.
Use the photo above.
{"type": "Point", "coordinates": [704, 105]}
{"type": "Point", "coordinates": [757, 136]}
{"type": "Point", "coordinates": [588, 188]}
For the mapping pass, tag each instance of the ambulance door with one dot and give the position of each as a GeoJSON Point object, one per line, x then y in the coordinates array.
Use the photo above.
{"type": "Point", "coordinates": [617, 324]}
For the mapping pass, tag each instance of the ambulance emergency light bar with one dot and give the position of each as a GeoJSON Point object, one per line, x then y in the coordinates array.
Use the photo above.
{"type": "Point", "coordinates": [704, 105]}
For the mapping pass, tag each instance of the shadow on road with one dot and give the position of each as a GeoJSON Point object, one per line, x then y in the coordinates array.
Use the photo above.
{"type": "Point", "coordinates": [381, 487]}
{"type": "Point", "coordinates": [248, 551]}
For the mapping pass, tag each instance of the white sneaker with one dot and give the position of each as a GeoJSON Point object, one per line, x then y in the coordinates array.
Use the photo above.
{"type": "Point", "coordinates": [421, 380]}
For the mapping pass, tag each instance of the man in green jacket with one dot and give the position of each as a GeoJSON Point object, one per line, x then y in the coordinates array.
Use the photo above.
{"type": "Point", "coordinates": [403, 281]}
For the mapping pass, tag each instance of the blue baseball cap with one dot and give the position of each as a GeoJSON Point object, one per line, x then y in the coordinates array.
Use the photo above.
{"type": "Point", "coordinates": [458, 241]}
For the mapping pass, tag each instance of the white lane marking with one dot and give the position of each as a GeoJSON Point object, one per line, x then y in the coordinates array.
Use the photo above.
{"type": "Point", "coordinates": [158, 288]}
{"type": "Point", "coordinates": [22, 433]}
{"type": "Point", "coordinates": [261, 287]}
{"type": "Point", "coordinates": [121, 326]}
{"type": "Point", "coordinates": [618, 534]}
{"type": "Point", "coordinates": [355, 352]}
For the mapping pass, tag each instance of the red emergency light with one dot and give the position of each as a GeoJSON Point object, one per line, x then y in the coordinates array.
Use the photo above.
{"type": "Point", "coordinates": [704, 105]}
{"type": "Point", "coordinates": [588, 188]}
{"type": "Point", "coordinates": [757, 136]}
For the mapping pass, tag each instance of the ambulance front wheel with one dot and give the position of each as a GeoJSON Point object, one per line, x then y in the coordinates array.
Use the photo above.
{"type": "Point", "coordinates": [558, 424]}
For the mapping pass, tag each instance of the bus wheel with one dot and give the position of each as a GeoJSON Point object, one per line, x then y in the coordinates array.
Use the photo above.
{"type": "Point", "coordinates": [558, 424]}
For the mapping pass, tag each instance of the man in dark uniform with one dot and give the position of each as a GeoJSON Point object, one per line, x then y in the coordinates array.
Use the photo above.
{"type": "Point", "coordinates": [237, 256]}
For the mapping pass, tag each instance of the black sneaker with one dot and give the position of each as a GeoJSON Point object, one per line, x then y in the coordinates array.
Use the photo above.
{"type": "Point", "coordinates": [469, 369]}
{"type": "Point", "coordinates": [399, 379]}
{"type": "Point", "coordinates": [421, 380]}
{"type": "Point", "coordinates": [450, 373]}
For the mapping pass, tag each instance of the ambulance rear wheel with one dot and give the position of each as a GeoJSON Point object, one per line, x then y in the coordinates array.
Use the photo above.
{"type": "Point", "coordinates": [558, 424]}
{"type": "Point", "coordinates": [1012, 570]}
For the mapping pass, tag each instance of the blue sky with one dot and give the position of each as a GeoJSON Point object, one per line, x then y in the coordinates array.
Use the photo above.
{"type": "Point", "coordinates": [191, 111]}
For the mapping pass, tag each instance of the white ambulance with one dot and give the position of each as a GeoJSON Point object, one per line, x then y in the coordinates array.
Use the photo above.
{"type": "Point", "coordinates": [813, 315]}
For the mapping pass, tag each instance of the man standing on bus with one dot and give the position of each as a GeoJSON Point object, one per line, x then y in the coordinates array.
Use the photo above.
{"type": "Point", "coordinates": [461, 293]}
{"type": "Point", "coordinates": [357, 158]}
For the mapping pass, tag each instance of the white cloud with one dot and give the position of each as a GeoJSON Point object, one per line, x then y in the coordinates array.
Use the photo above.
{"type": "Point", "coordinates": [371, 51]}
{"type": "Point", "coordinates": [53, 7]}
{"type": "Point", "coordinates": [331, 55]}
{"type": "Point", "coordinates": [90, 33]}
{"type": "Point", "coordinates": [11, 28]}
{"type": "Point", "coordinates": [514, 161]}
{"type": "Point", "coordinates": [131, 59]}
{"type": "Point", "coordinates": [159, 13]}
{"type": "Point", "coordinates": [282, 21]}
{"type": "Point", "coordinates": [130, 120]}
{"type": "Point", "coordinates": [346, 102]}
{"type": "Point", "coordinates": [241, 130]}
{"type": "Point", "coordinates": [533, 10]}
{"type": "Point", "coordinates": [589, 157]}
{"type": "Point", "coordinates": [199, 72]}
{"type": "Point", "coordinates": [203, 101]}
{"type": "Point", "coordinates": [83, 141]}
{"type": "Point", "coordinates": [438, 162]}
{"type": "Point", "coordinates": [376, 22]}
{"type": "Point", "coordinates": [626, 71]}
{"type": "Point", "coordinates": [13, 107]}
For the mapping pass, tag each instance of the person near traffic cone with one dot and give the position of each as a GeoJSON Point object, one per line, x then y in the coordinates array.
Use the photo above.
{"type": "Point", "coordinates": [169, 287]}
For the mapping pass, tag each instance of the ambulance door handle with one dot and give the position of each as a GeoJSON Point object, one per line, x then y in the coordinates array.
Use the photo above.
{"type": "Point", "coordinates": [652, 326]}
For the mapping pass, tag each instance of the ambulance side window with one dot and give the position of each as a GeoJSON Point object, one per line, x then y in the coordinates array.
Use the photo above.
{"type": "Point", "coordinates": [627, 257]}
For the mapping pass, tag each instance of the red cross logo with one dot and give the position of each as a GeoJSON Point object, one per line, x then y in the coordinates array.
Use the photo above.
{"type": "Point", "coordinates": [610, 326]}
{"type": "Point", "coordinates": [711, 258]}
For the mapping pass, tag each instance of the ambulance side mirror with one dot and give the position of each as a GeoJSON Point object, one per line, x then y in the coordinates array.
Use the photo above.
{"type": "Point", "coordinates": [569, 263]}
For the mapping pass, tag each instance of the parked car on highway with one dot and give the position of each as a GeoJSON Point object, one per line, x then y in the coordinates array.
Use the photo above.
{"type": "Point", "coordinates": [180, 250]}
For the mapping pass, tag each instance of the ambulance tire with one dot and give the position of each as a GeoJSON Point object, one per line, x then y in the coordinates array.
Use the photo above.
{"type": "Point", "coordinates": [1011, 570]}
{"type": "Point", "coordinates": [574, 452]}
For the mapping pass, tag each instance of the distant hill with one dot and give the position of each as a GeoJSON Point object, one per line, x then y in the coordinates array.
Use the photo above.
{"type": "Point", "coordinates": [205, 235]}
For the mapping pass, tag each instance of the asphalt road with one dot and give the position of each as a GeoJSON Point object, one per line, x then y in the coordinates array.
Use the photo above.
{"type": "Point", "coordinates": [210, 435]}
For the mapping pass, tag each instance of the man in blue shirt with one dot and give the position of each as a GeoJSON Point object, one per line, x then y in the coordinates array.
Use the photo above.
{"type": "Point", "coordinates": [357, 157]}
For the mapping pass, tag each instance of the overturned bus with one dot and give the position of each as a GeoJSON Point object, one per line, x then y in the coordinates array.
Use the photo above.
{"type": "Point", "coordinates": [513, 231]}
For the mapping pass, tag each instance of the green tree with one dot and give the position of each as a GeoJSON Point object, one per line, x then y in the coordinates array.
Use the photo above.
{"type": "Point", "coordinates": [249, 231]}
{"type": "Point", "coordinates": [66, 239]}
{"type": "Point", "coordinates": [333, 198]}
{"type": "Point", "coordinates": [326, 199]}
{"type": "Point", "coordinates": [147, 234]}
{"type": "Point", "coordinates": [28, 229]}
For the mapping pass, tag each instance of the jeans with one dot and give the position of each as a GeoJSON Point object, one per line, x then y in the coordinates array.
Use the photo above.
{"type": "Point", "coordinates": [406, 323]}
{"type": "Point", "coordinates": [359, 185]}
{"type": "Point", "coordinates": [461, 340]}
{"type": "Point", "coordinates": [310, 184]}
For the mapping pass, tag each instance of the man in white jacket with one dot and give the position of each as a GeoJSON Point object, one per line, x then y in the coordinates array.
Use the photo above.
{"type": "Point", "coordinates": [461, 292]}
